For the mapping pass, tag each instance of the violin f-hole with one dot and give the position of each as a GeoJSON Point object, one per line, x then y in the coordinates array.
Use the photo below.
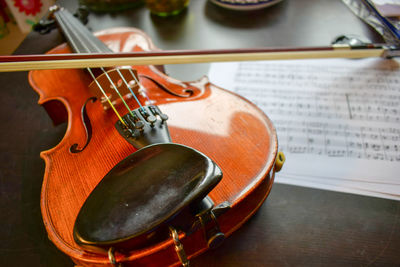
{"type": "Point", "coordinates": [164, 88]}
{"type": "Point", "coordinates": [88, 128]}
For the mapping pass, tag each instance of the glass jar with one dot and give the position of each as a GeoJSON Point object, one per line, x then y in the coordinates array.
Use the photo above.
{"type": "Point", "coordinates": [166, 8]}
{"type": "Point", "coordinates": [110, 5]}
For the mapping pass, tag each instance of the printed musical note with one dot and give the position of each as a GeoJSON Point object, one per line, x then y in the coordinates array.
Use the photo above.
{"type": "Point", "coordinates": [326, 111]}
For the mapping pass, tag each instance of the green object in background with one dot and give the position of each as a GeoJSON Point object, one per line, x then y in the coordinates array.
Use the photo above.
{"type": "Point", "coordinates": [164, 8]}
{"type": "Point", "coordinates": [110, 5]}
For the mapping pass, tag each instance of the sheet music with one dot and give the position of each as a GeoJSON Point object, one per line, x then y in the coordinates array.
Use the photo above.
{"type": "Point", "coordinates": [338, 120]}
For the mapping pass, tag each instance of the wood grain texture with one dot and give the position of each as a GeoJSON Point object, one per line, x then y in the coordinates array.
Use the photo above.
{"type": "Point", "coordinates": [227, 128]}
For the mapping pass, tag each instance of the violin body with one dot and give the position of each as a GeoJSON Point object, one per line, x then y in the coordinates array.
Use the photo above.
{"type": "Point", "coordinates": [224, 126]}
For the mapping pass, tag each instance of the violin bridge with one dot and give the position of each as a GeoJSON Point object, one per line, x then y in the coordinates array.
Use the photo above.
{"type": "Point", "coordinates": [117, 77]}
{"type": "Point", "coordinates": [144, 126]}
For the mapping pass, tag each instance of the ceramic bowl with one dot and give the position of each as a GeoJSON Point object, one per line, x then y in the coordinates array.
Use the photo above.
{"type": "Point", "coordinates": [245, 4]}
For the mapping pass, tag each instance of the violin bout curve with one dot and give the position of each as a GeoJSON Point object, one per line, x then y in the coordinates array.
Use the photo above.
{"type": "Point", "coordinates": [230, 130]}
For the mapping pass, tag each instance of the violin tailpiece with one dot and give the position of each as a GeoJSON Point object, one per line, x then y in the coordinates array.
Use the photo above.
{"type": "Point", "coordinates": [144, 126]}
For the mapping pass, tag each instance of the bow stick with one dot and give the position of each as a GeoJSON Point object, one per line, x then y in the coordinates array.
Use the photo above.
{"type": "Point", "coordinates": [71, 61]}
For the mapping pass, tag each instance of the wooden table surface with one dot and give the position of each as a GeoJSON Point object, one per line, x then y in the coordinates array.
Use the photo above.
{"type": "Point", "coordinates": [295, 227]}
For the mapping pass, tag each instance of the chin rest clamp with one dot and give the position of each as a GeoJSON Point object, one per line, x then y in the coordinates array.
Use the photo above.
{"type": "Point", "coordinates": [179, 247]}
{"type": "Point", "coordinates": [111, 257]}
{"type": "Point", "coordinates": [207, 219]}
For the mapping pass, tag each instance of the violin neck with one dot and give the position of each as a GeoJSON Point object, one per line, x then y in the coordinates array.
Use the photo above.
{"type": "Point", "coordinates": [80, 39]}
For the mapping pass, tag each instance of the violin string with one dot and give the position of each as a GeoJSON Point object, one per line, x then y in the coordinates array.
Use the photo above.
{"type": "Point", "coordinates": [96, 48]}
{"type": "Point", "coordinates": [122, 76]}
{"type": "Point", "coordinates": [100, 49]}
{"type": "Point", "coordinates": [128, 86]}
{"type": "Point", "coordinates": [139, 84]}
{"type": "Point", "coordinates": [116, 90]}
{"type": "Point", "coordinates": [68, 32]}
{"type": "Point", "coordinates": [88, 42]}
{"type": "Point", "coordinates": [108, 99]}
{"type": "Point", "coordinates": [80, 35]}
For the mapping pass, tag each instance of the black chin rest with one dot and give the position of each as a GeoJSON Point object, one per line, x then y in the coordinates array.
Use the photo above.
{"type": "Point", "coordinates": [143, 193]}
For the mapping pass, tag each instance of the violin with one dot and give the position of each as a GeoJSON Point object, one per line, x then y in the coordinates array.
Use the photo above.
{"type": "Point", "coordinates": [151, 170]}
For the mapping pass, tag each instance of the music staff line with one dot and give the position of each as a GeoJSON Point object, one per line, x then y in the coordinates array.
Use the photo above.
{"type": "Point", "coordinates": [331, 93]}
{"type": "Point", "coordinates": [339, 140]}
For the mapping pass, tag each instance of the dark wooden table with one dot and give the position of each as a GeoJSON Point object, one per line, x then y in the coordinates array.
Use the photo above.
{"type": "Point", "coordinates": [295, 227]}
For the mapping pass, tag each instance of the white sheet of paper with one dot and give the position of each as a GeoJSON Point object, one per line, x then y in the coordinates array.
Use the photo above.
{"type": "Point", "coordinates": [338, 120]}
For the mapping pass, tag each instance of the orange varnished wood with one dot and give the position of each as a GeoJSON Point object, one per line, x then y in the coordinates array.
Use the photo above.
{"type": "Point", "coordinates": [227, 128]}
